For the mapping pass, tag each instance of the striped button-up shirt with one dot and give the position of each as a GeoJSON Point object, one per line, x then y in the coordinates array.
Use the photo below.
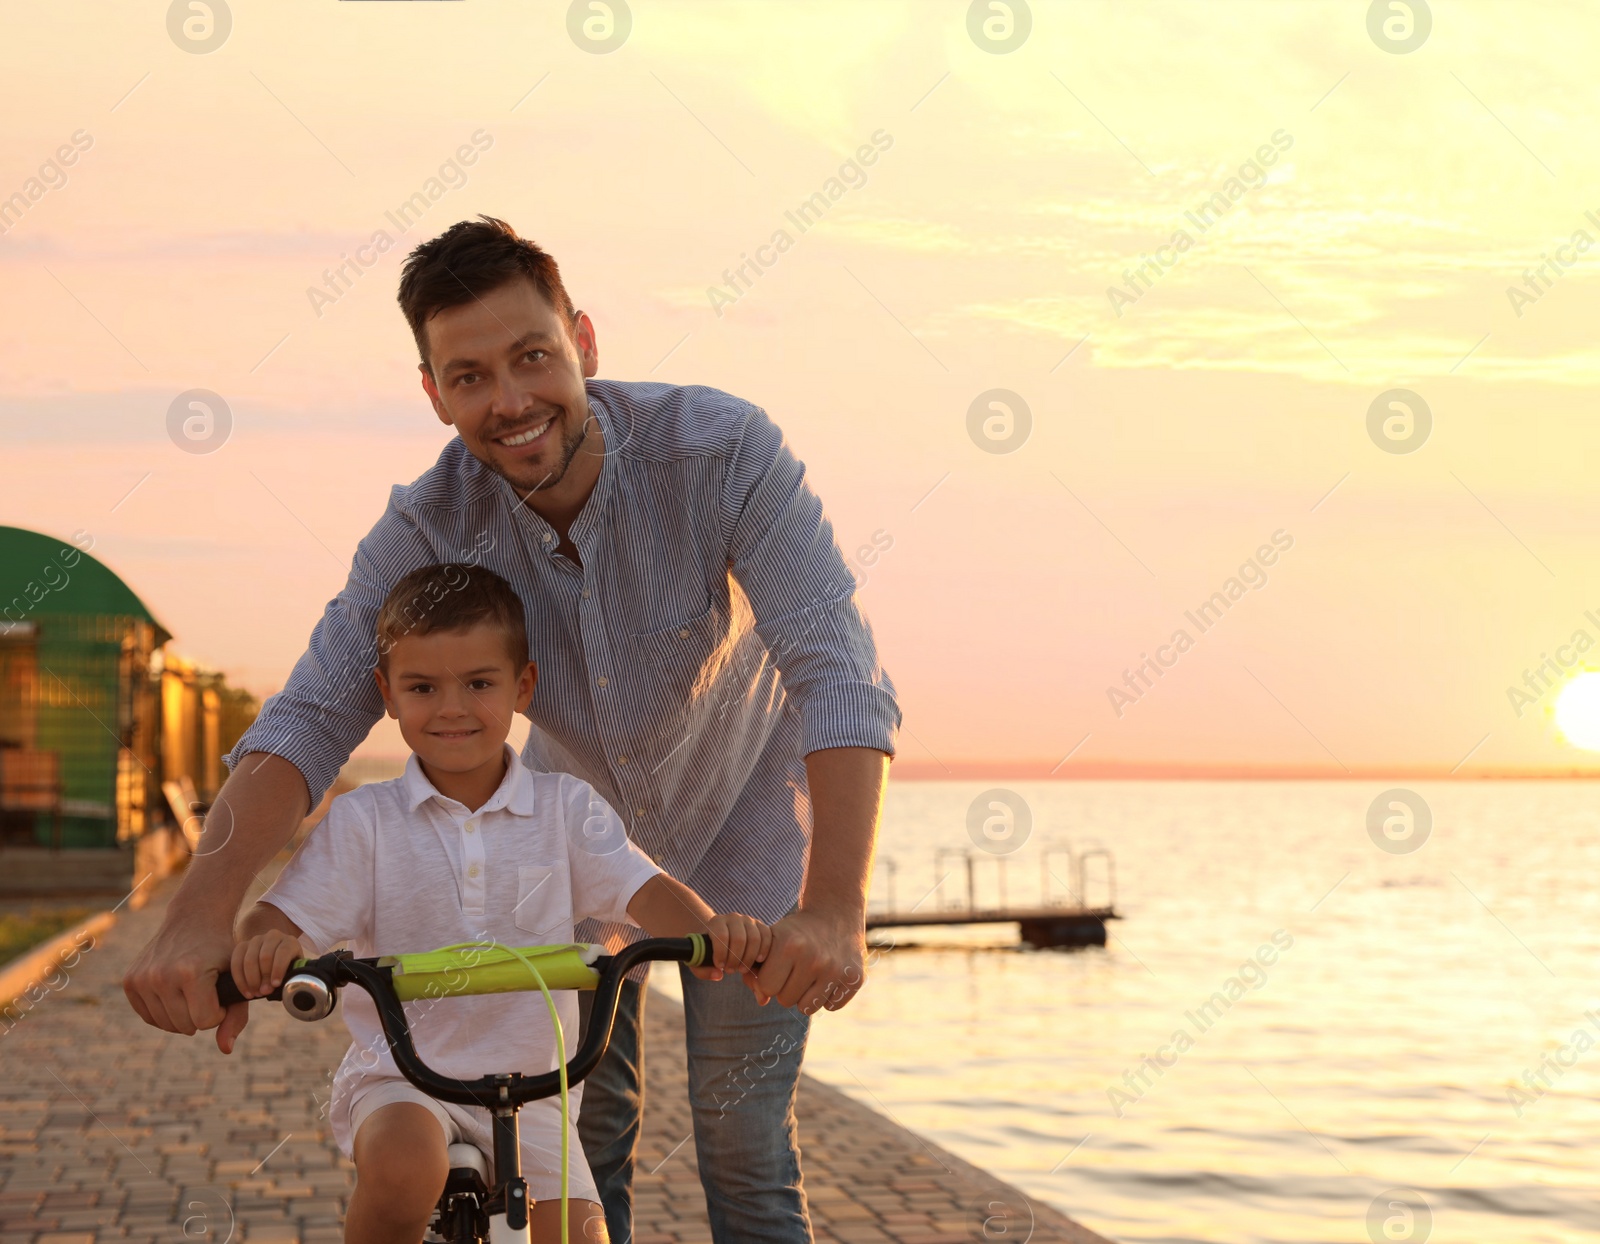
{"type": "Point", "coordinates": [709, 640]}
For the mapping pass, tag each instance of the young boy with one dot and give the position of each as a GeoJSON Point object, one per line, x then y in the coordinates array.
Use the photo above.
{"type": "Point", "coordinates": [467, 845]}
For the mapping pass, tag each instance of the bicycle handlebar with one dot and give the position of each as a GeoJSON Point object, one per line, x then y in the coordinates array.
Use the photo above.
{"type": "Point", "coordinates": [376, 976]}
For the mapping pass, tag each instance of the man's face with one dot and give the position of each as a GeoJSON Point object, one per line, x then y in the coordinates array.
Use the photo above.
{"type": "Point", "coordinates": [508, 377]}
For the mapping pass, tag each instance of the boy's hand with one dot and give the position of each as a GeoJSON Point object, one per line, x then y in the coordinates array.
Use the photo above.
{"type": "Point", "coordinates": [259, 965]}
{"type": "Point", "coordinates": [738, 944]}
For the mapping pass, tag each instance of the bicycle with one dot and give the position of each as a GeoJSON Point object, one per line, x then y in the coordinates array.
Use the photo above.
{"type": "Point", "coordinates": [485, 1197]}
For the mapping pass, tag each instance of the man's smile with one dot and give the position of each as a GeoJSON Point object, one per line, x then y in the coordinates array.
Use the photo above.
{"type": "Point", "coordinates": [527, 436]}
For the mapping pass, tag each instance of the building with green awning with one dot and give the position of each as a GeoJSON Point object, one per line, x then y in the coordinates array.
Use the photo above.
{"type": "Point", "coordinates": [102, 732]}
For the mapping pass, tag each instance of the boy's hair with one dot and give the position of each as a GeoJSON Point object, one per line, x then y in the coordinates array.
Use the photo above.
{"type": "Point", "coordinates": [451, 596]}
{"type": "Point", "coordinates": [468, 260]}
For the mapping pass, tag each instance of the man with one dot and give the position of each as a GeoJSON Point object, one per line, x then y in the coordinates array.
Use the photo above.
{"type": "Point", "coordinates": [703, 665]}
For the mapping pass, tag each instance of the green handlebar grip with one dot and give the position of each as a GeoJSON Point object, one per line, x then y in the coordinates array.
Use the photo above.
{"type": "Point", "coordinates": [481, 970]}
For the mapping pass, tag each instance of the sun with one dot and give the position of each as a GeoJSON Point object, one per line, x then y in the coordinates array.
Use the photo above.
{"type": "Point", "coordinates": [1578, 712]}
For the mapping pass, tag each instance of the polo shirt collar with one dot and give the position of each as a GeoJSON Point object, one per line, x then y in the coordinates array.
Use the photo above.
{"type": "Point", "coordinates": [515, 792]}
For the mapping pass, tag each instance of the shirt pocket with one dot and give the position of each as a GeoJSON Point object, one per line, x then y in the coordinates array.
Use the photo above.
{"type": "Point", "coordinates": [544, 903]}
{"type": "Point", "coordinates": [686, 654]}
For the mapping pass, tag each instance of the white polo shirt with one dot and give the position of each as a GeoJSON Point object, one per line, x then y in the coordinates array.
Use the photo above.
{"type": "Point", "coordinates": [397, 868]}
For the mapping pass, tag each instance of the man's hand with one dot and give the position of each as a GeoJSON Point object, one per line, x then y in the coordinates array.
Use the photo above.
{"type": "Point", "coordinates": [816, 961]}
{"type": "Point", "coordinates": [173, 982]}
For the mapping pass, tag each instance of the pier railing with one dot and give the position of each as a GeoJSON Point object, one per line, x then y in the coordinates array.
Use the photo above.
{"type": "Point", "coordinates": [1063, 914]}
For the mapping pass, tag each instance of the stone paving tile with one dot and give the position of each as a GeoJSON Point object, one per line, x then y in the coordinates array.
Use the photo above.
{"type": "Point", "coordinates": [112, 1131]}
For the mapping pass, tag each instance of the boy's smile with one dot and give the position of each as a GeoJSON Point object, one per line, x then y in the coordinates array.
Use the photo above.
{"type": "Point", "coordinates": [454, 694]}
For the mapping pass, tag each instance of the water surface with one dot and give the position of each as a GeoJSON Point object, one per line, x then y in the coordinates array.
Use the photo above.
{"type": "Point", "coordinates": [1378, 1051]}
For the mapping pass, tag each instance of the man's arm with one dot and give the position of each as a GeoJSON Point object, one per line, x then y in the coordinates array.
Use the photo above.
{"type": "Point", "coordinates": [282, 766]}
{"type": "Point", "coordinates": [173, 982]}
{"type": "Point", "coordinates": [784, 556]}
{"type": "Point", "coordinates": [818, 956]}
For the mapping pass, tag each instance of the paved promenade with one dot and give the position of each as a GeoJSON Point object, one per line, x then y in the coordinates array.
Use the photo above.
{"type": "Point", "coordinates": [110, 1130]}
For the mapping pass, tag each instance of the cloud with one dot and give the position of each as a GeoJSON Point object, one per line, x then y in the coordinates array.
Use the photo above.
{"type": "Point", "coordinates": [139, 416]}
{"type": "Point", "coordinates": [315, 245]}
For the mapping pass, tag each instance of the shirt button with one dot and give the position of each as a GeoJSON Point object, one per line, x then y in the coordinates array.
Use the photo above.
{"type": "Point", "coordinates": [638, 811]}
{"type": "Point", "coordinates": [586, 593]}
{"type": "Point", "coordinates": [622, 760]}
{"type": "Point", "coordinates": [473, 871]}
{"type": "Point", "coordinates": [684, 633]}
{"type": "Point", "coordinates": [470, 827]}
{"type": "Point", "coordinates": [601, 681]}
{"type": "Point", "coordinates": [548, 537]}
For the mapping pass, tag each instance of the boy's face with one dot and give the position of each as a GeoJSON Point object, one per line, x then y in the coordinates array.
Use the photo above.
{"type": "Point", "coordinates": [454, 694]}
{"type": "Point", "coordinates": [504, 367]}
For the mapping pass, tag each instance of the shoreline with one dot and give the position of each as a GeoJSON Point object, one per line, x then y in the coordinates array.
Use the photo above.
{"type": "Point", "coordinates": [867, 1177]}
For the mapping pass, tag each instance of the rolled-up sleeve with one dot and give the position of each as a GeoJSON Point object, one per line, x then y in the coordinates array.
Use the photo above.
{"type": "Point", "coordinates": [784, 556]}
{"type": "Point", "coordinates": [331, 702]}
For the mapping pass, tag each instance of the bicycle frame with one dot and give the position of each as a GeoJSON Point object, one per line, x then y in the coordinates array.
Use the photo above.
{"type": "Point", "coordinates": [311, 990]}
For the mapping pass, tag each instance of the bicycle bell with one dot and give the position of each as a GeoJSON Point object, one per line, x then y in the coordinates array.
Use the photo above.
{"type": "Point", "coordinates": [308, 997]}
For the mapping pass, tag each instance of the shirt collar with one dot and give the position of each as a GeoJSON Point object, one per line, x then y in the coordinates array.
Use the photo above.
{"type": "Point", "coordinates": [515, 792]}
{"type": "Point", "coordinates": [615, 437]}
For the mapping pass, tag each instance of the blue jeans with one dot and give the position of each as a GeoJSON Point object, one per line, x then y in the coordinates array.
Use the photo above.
{"type": "Point", "coordinates": [744, 1069]}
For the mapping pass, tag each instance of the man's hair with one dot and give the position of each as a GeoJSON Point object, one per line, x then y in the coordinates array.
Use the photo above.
{"type": "Point", "coordinates": [465, 262]}
{"type": "Point", "coordinates": [451, 596]}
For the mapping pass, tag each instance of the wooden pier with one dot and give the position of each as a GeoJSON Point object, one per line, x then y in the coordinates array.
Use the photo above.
{"type": "Point", "coordinates": [1062, 917]}
{"type": "Point", "coordinates": [1042, 927]}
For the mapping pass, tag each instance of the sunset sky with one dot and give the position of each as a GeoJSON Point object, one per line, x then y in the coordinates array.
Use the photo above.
{"type": "Point", "coordinates": [1172, 434]}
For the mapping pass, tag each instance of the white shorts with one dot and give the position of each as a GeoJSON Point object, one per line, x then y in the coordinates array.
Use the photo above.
{"type": "Point", "coordinates": [539, 1125]}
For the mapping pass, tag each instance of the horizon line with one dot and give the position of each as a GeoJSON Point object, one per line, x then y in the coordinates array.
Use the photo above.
{"type": "Point", "coordinates": [922, 770]}
{"type": "Point", "coordinates": [1159, 771]}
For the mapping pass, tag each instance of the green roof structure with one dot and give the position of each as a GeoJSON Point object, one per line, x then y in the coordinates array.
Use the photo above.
{"type": "Point", "coordinates": [80, 709]}
{"type": "Point", "coordinates": [87, 586]}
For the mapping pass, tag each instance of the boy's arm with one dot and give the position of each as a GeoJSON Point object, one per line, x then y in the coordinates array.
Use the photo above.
{"type": "Point", "coordinates": [664, 907]}
{"type": "Point", "coordinates": [265, 918]}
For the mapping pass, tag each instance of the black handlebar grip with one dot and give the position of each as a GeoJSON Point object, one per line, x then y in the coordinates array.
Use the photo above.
{"type": "Point", "coordinates": [227, 992]}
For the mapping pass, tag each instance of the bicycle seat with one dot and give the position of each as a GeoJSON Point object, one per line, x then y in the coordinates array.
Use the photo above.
{"type": "Point", "coordinates": [469, 1169]}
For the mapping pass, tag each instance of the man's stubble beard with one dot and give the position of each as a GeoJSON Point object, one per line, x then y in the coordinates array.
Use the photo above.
{"type": "Point", "coordinates": [571, 443]}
